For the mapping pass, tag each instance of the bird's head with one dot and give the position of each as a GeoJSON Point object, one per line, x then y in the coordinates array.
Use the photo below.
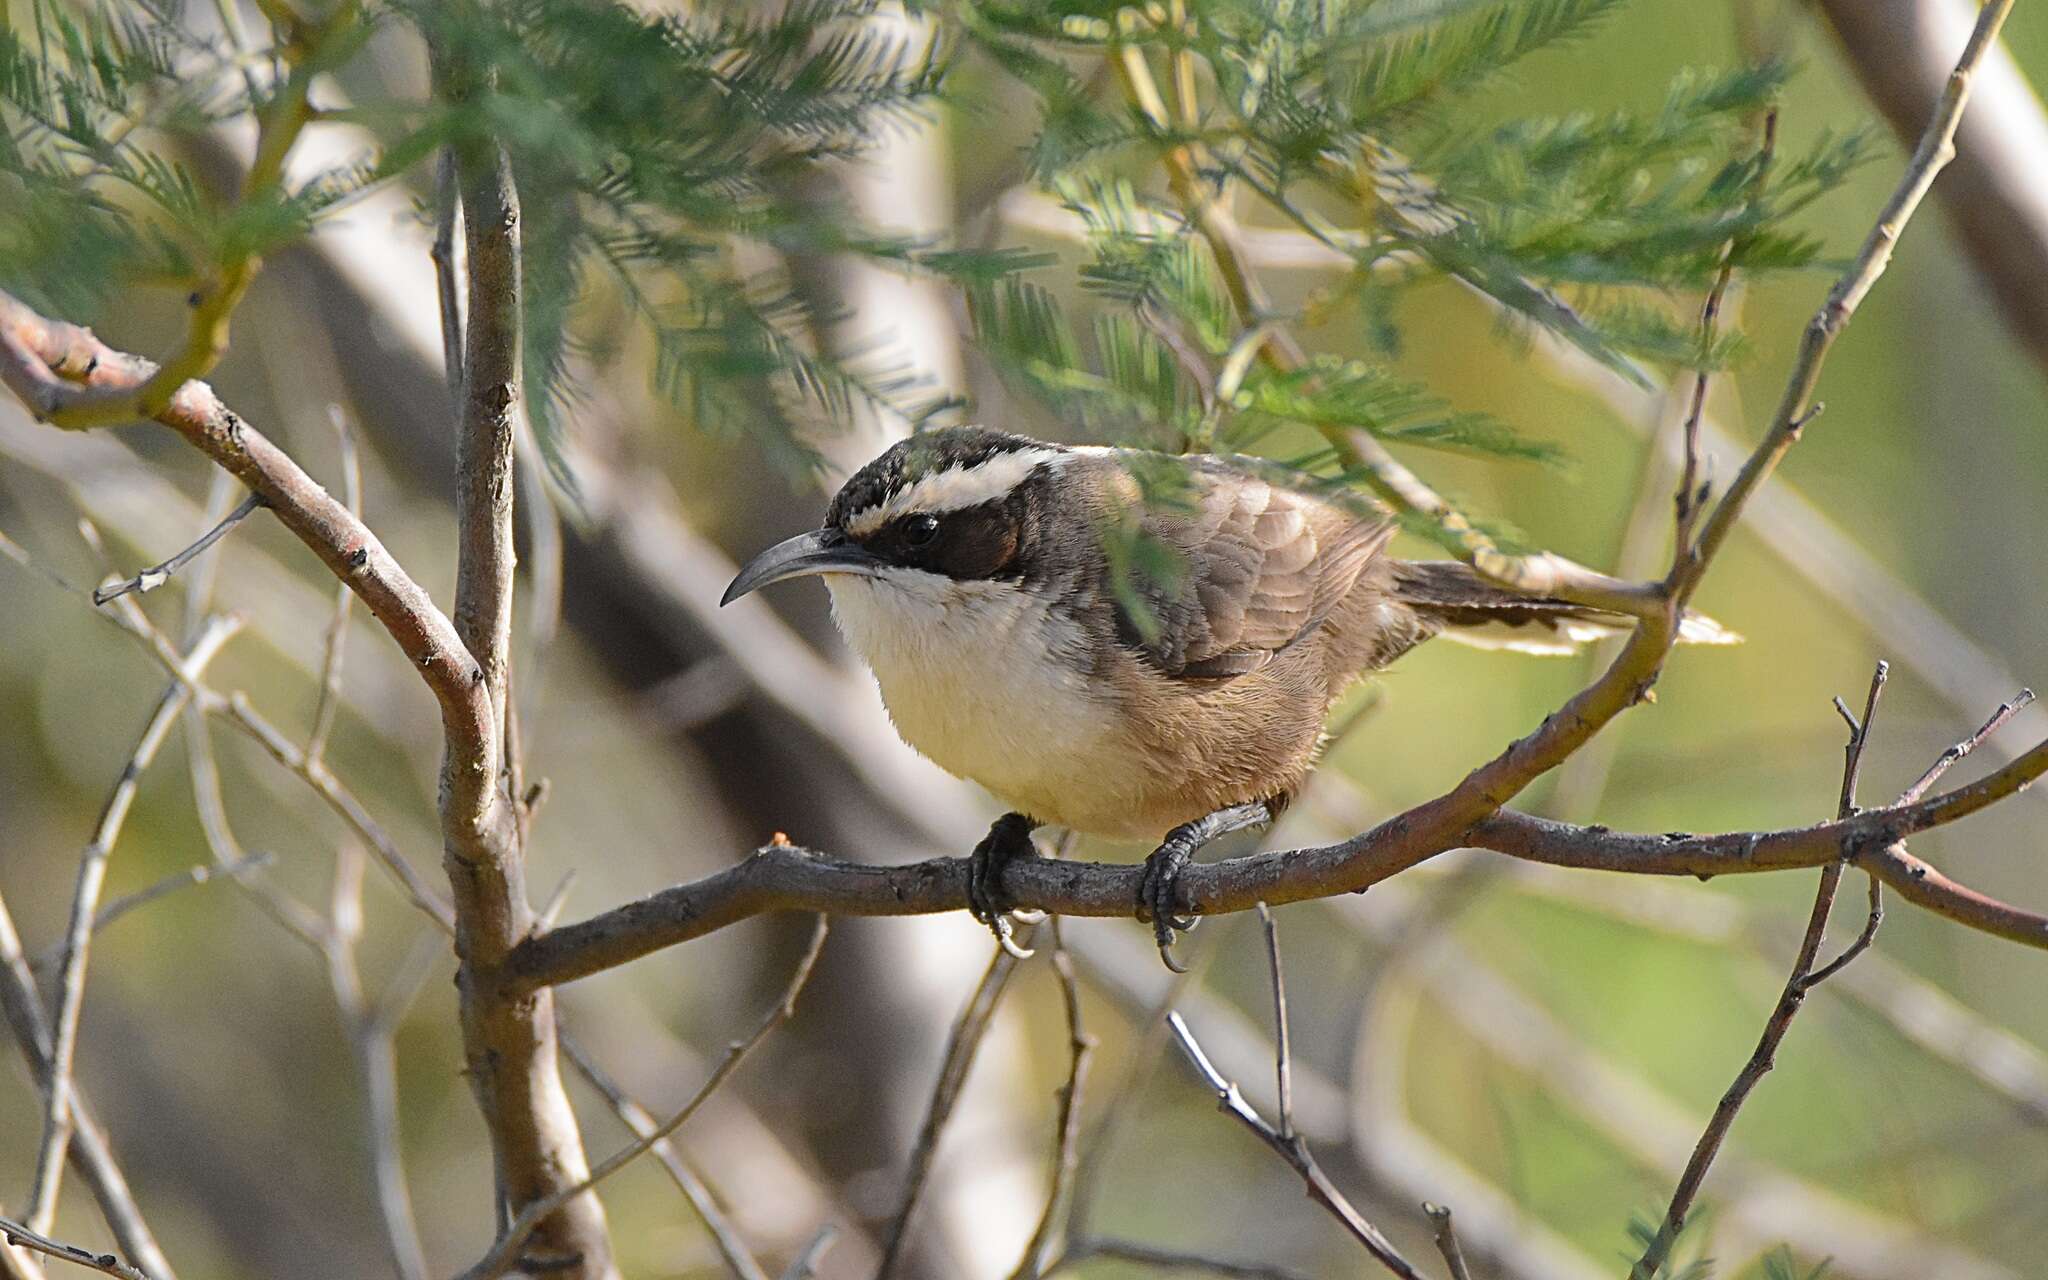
{"type": "Point", "coordinates": [952, 504]}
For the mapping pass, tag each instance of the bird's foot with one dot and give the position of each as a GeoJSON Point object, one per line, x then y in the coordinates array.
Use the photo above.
{"type": "Point", "coordinates": [1008, 839]}
{"type": "Point", "coordinates": [1159, 896]}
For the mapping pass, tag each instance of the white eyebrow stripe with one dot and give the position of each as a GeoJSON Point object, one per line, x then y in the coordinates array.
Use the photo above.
{"type": "Point", "coordinates": [954, 489]}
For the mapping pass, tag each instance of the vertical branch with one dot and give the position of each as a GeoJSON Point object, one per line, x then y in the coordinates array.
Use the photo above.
{"type": "Point", "coordinates": [90, 1153]}
{"type": "Point", "coordinates": [968, 1033]}
{"type": "Point", "coordinates": [1041, 1255]}
{"type": "Point", "coordinates": [509, 1042]}
{"type": "Point", "coordinates": [92, 874]}
{"type": "Point", "coordinates": [1801, 981]}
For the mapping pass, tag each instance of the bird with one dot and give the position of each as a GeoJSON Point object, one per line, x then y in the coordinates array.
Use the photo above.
{"type": "Point", "coordinates": [1130, 644]}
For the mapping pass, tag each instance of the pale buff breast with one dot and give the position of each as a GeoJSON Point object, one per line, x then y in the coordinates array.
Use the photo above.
{"type": "Point", "coordinates": [976, 678]}
{"type": "Point", "coordinates": [992, 688]}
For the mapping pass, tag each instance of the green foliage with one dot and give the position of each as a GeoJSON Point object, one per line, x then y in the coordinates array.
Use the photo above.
{"type": "Point", "coordinates": [1350, 125]}
{"type": "Point", "coordinates": [664, 163]}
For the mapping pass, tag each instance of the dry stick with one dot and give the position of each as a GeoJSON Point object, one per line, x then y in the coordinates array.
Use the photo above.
{"type": "Point", "coordinates": [1764, 1057]}
{"type": "Point", "coordinates": [1284, 1138]}
{"type": "Point", "coordinates": [725, 1235]}
{"type": "Point", "coordinates": [1180, 1260]}
{"type": "Point", "coordinates": [1041, 1254]}
{"type": "Point", "coordinates": [238, 712]}
{"type": "Point", "coordinates": [1942, 765]}
{"type": "Point", "coordinates": [190, 877]}
{"type": "Point", "coordinates": [506, 1252]}
{"type": "Point", "coordinates": [968, 1031]}
{"type": "Point", "coordinates": [1294, 1151]}
{"type": "Point", "coordinates": [92, 872]}
{"type": "Point", "coordinates": [329, 704]}
{"type": "Point", "coordinates": [22, 1004]}
{"type": "Point", "coordinates": [25, 1237]}
{"type": "Point", "coordinates": [805, 1265]}
{"type": "Point", "coordinates": [158, 574]}
{"type": "Point", "coordinates": [369, 1031]}
{"type": "Point", "coordinates": [1447, 1241]}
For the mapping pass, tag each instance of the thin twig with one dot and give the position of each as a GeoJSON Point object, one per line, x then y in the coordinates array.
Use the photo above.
{"type": "Point", "coordinates": [1447, 1240]}
{"type": "Point", "coordinates": [1043, 1251]}
{"type": "Point", "coordinates": [237, 710]}
{"type": "Point", "coordinates": [369, 1029]}
{"type": "Point", "coordinates": [1790, 1000]}
{"type": "Point", "coordinates": [1874, 917]}
{"type": "Point", "coordinates": [1954, 755]}
{"type": "Point", "coordinates": [1285, 1140]}
{"type": "Point", "coordinates": [725, 1236]}
{"type": "Point", "coordinates": [22, 1004]}
{"type": "Point", "coordinates": [28, 1238]}
{"type": "Point", "coordinates": [1283, 1051]}
{"type": "Point", "coordinates": [337, 627]}
{"type": "Point", "coordinates": [92, 872]}
{"type": "Point", "coordinates": [805, 1264]}
{"type": "Point", "coordinates": [1692, 492]}
{"type": "Point", "coordinates": [506, 1252]}
{"type": "Point", "coordinates": [197, 874]}
{"type": "Point", "coordinates": [1147, 1255]}
{"type": "Point", "coordinates": [968, 1031]}
{"type": "Point", "coordinates": [158, 574]}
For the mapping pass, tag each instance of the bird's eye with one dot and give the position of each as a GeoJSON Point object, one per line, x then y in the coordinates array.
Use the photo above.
{"type": "Point", "coordinates": [919, 530]}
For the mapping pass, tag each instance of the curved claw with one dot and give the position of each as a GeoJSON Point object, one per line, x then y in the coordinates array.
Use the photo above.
{"type": "Point", "coordinates": [1166, 957]}
{"type": "Point", "coordinates": [1005, 932]}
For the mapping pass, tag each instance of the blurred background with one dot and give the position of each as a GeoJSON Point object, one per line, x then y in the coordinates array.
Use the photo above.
{"type": "Point", "coordinates": [1537, 1048]}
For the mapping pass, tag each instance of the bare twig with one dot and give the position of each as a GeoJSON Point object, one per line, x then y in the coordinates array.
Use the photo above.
{"type": "Point", "coordinates": [1802, 980]}
{"type": "Point", "coordinates": [27, 1238]}
{"type": "Point", "coordinates": [1146, 1255]}
{"type": "Point", "coordinates": [1875, 916]}
{"type": "Point", "coordinates": [92, 871]}
{"type": "Point", "coordinates": [369, 1029]}
{"type": "Point", "coordinates": [90, 1153]}
{"type": "Point", "coordinates": [1901, 50]}
{"type": "Point", "coordinates": [724, 1235]}
{"type": "Point", "coordinates": [1294, 1151]}
{"type": "Point", "coordinates": [1447, 1241]}
{"type": "Point", "coordinates": [968, 1031]}
{"type": "Point", "coordinates": [337, 629]}
{"type": "Point", "coordinates": [1042, 1253]}
{"type": "Point", "coordinates": [158, 574]}
{"type": "Point", "coordinates": [805, 1264]}
{"type": "Point", "coordinates": [1954, 755]}
{"type": "Point", "coordinates": [1283, 1052]}
{"type": "Point", "coordinates": [507, 1251]}
{"type": "Point", "coordinates": [198, 874]}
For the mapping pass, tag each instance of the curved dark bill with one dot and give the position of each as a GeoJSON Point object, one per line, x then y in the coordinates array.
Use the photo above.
{"type": "Point", "coordinates": [825, 551]}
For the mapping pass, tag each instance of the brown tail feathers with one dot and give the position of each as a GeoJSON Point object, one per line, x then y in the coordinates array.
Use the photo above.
{"type": "Point", "coordinates": [1467, 608]}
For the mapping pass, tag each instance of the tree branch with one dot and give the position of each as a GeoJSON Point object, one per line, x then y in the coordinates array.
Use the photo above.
{"type": "Point", "coordinates": [92, 872]}
{"type": "Point", "coordinates": [1802, 980]}
{"type": "Point", "coordinates": [509, 1043]}
{"type": "Point", "coordinates": [789, 878]}
{"type": "Point", "coordinates": [1901, 51]}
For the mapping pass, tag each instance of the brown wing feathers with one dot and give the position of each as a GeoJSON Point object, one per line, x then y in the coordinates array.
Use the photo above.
{"type": "Point", "coordinates": [1262, 568]}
